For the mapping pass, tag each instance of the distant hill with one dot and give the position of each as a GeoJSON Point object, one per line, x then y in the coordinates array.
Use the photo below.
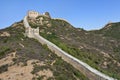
{"type": "Point", "coordinates": [111, 30]}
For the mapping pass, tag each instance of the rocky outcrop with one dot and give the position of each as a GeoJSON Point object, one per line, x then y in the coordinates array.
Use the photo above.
{"type": "Point", "coordinates": [47, 14]}
{"type": "Point", "coordinates": [5, 34]}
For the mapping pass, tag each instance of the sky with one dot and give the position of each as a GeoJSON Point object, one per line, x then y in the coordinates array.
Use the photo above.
{"type": "Point", "coordinates": [86, 14]}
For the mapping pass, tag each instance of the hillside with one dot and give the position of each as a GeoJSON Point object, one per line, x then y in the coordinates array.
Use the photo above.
{"type": "Point", "coordinates": [22, 58]}
{"type": "Point", "coordinates": [100, 48]}
{"type": "Point", "coordinates": [111, 30]}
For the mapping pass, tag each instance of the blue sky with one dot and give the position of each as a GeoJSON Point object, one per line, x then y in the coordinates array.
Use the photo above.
{"type": "Point", "coordinates": [87, 14]}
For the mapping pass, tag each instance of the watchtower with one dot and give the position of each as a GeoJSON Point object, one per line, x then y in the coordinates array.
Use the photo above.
{"type": "Point", "coordinates": [33, 14]}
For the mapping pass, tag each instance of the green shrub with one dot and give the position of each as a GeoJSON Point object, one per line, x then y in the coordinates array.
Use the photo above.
{"type": "Point", "coordinates": [3, 68]}
{"type": "Point", "coordinates": [89, 58]}
{"type": "Point", "coordinates": [3, 50]}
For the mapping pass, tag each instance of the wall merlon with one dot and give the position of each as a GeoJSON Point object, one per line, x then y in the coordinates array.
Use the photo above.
{"type": "Point", "coordinates": [34, 14]}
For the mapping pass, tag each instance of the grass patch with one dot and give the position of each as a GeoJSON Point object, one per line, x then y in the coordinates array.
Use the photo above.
{"type": "Point", "coordinates": [3, 50]}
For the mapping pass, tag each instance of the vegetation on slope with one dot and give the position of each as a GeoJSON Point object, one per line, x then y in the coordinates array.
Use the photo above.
{"type": "Point", "coordinates": [94, 49]}
{"type": "Point", "coordinates": [27, 49]}
{"type": "Point", "coordinates": [111, 30]}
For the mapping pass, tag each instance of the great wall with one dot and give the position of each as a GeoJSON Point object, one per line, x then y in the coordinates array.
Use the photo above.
{"type": "Point", "coordinates": [88, 71]}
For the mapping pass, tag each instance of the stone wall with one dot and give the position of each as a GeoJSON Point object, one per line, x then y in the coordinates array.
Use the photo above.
{"type": "Point", "coordinates": [28, 30]}
{"type": "Point", "coordinates": [33, 14]}
{"type": "Point", "coordinates": [90, 72]}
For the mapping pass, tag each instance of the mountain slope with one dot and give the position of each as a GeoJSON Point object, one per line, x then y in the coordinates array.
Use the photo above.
{"type": "Point", "coordinates": [95, 48]}
{"type": "Point", "coordinates": [22, 56]}
{"type": "Point", "coordinates": [26, 59]}
{"type": "Point", "coordinates": [111, 30]}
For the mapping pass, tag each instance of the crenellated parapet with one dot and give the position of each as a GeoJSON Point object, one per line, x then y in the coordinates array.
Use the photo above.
{"type": "Point", "coordinates": [34, 14]}
{"type": "Point", "coordinates": [28, 30]}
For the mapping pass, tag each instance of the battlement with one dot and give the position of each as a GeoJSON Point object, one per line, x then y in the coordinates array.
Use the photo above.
{"type": "Point", "coordinates": [30, 31]}
{"type": "Point", "coordinates": [34, 14]}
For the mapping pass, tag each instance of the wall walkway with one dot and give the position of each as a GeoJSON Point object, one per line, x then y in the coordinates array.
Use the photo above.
{"type": "Point", "coordinates": [90, 72]}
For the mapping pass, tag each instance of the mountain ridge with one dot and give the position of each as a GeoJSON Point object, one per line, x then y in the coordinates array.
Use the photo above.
{"type": "Point", "coordinates": [74, 40]}
{"type": "Point", "coordinates": [81, 66]}
{"type": "Point", "coordinates": [87, 43]}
